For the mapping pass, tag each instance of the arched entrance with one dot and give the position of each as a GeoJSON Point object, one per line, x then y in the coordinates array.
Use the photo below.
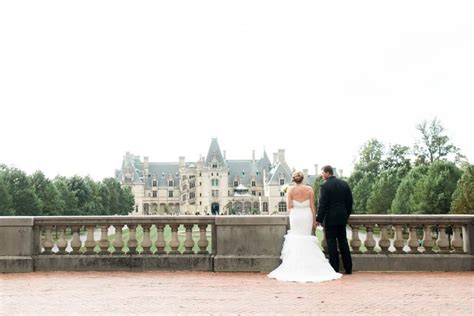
{"type": "Point", "coordinates": [215, 208]}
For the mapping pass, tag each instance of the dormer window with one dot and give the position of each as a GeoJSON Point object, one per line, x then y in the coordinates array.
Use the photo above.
{"type": "Point", "coordinates": [236, 183]}
{"type": "Point", "coordinates": [282, 181]}
{"type": "Point", "coordinates": [243, 172]}
{"type": "Point", "coordinates": [253, 183]}
{"type": "Point", "coordinates": [170, 183]}
{"type": "Point", "coordinates": [214, 166]}
{"type": "Point", "coordinates": [256, 173]}
{"type": "Point", "coordinates": [154, 183]}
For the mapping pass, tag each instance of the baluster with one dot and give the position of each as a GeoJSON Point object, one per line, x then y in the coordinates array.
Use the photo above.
{"type": "Point", "coordinates": [189, 242]}
{"type": "Point", "coordinates": [104, 242]}
{"type": "Point", "coordinates": [160, 240]}
{"type": "Point", "coordinates": [146, 243]}
{"type": "Point", "coordinates": [413, 239]}
{"type": "Point", "coordinates": [118, 242]}
{"type": "Point", "coordinates": [398, 243]}
{"type": "Point", "coordinates": [90, 242]}
{"type": "Point", "coordinates": [62, 241]}
{"type": "Point", "coordinates": [48, 241]}
{"type": "Point", "coordinates": [428, 241]}
{"type": "Point", "coordinates": [355, 240]}
{"type": "Point", "coordinates": [384, 242]}
{"type": "Point", "coordinates": [369, 242]}
{"type": "Point", "coordinates": [76, 242]}
{"type": "Point", "coordinates": [456, 242]}
{"type": "Point", "coordinates": [174, 243]}
{"type": "Point", "coordinates": [442, 242]}
{"type": "Point", "coordinates": [202, 243]}
{"type": "Point", "coordinates": [132, 239]}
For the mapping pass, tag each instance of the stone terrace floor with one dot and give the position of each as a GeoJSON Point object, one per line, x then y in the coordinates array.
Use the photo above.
{"type": "Point", "coordinates": [104, 293]}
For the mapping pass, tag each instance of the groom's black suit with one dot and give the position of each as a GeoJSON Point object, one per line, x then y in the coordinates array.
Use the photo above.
{"type": "Point", "coordinates": [335, 207]}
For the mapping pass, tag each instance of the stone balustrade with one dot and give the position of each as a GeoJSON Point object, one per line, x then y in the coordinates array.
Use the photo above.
{"type": "Point", "coordinates": [103, 235]}
{"type": "Point", "coordinates": [225, 243]}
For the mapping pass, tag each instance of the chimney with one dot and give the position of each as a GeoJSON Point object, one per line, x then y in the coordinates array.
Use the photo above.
{"type": "Point", "coordinates": [181, 161]}
{"type": "Point", "coordinates": [253, 155]}
{"type": "Point", "coordinates": [316, 169]}
{"type": "Point", "coordinates": [275, 158]}
{"type": "Point", "coordinates": [281, 155]}
{"type": "Point", "coordinates": [225, 154]}
{"type": "Point", "coordinates": [305, 172]}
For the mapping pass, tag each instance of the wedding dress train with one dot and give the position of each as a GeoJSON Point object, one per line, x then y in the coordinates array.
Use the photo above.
{"type": "Point", "coordinates": [301, 255]}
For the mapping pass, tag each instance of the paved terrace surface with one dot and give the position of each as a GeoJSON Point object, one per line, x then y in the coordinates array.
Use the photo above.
{"type": "Point", "coordinates": [104, 293]}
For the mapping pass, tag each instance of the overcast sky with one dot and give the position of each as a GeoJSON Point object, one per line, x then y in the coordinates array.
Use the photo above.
{"type": "Point", "coordinates": [82, 82]}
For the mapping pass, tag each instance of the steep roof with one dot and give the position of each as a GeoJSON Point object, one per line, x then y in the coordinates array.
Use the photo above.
{"type": "Point", "coordinates": [214, 153]}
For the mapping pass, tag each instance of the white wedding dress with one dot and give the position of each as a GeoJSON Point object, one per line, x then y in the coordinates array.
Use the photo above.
{"type": "Point", "coordinates": [302, 257]}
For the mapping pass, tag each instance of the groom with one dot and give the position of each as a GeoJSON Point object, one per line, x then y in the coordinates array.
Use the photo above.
{"type": "Point", "coordinates": [335, 207]}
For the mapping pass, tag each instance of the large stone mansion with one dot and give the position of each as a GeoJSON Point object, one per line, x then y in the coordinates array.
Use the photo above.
{"type": "Point", "coordinates": [212, 185]}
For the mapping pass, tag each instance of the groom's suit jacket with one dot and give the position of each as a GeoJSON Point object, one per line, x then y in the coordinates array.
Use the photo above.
{"type": "Point", "coordinates": [335, 202]}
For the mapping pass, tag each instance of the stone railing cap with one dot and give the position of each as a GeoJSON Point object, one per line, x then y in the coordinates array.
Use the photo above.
{"type": "Point", "coordinates": [14, 221]}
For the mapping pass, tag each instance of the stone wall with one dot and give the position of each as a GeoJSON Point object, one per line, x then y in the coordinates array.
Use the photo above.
{"type": "Point", "coordinates": [224, 243]}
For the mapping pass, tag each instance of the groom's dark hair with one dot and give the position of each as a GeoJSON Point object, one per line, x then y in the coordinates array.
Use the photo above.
{"type": "Point", "coordinates": [328, 169]}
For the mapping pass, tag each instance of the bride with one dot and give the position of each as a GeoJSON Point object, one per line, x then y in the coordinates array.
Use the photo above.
{"type": "Point", "coordinates": [302, 257]}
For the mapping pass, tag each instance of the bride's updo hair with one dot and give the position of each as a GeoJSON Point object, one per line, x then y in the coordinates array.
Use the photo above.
{"type": "Point", "coordinates": [298, 177]}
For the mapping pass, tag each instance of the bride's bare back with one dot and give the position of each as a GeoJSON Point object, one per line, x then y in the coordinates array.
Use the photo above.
{"type": "Point", "coordinates": [301, 193]}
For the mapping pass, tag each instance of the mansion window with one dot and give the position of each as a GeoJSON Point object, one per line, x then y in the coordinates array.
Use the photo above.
{"type": "Point", "coordinates": [282, 207]}
{"type": "Point", "coordinates": [184, 197]}
{"type": "Point", "coordinates": [170, 183]}
{"type": "Point", "coordinates": [214, 166]}
{"type": "Point", "coordinates": [265, 206]}
{"type": "Point", "coordinates": [192, 184]}
{"type": "Point", "coordinates": [192, 195]}
{"type": "Point", "coordinates": [215, 193]}
{"type": "Point", "coordinates": [170, 193]}
{"type": "Point", "coordinates": [154, 194]}
{"type": "Point", "coordinates": [154, 183]}
{"type": "Point", "coordinates": [253, 183]}
{"type": "Point", "coordinates": [254, 193]}
{"type": "Point", "coordinates": [259, 193]}
{"type": "Point", "coordinates": [214, 182]}
{"type": "Point", "coordinates": [236, 183]}
{"type": "Point", "coordinates": [282, 193]}
{"type": "Point", "coordinates": [282, 181]}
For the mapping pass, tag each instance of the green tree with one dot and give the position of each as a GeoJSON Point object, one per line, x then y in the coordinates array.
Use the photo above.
{"type": "Point", "coordinates": [433, 193]}
{"type": "Point", "coordinates": [370, 157]}
{"type": "Point", "coordinates": [463, 197]}
{"type": "Point", "coordinates": [403, 202]}
{"type": "Point", "coordinates": [24, 200]}
{"type": "Point", "coordinates": [93, 205]}
{"type": "Point", "coordinates": [434, 144]}
{"type": "Point", "coordinates": [49, 199]}
{"type": "Point", "coordinates": [6, 201]}
{"type": "Point", "coordinates": [383, 192]}
{"type": "Point", "coordinates": [362, 191]}
{"type": "Point", "coordinates": [126, 200]}
{"type": "Point", "coordinates": [366, 170]}
{"type": "Point", "coordinates": [316, 184]}
{"type": "Point", "coordinates": [397, 160]}
{"type": "Point", "coordinates": [71, 203]}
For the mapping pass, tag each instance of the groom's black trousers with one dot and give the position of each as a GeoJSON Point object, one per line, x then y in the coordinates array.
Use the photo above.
{"type": "Point", "coordinates": [334, 235]}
